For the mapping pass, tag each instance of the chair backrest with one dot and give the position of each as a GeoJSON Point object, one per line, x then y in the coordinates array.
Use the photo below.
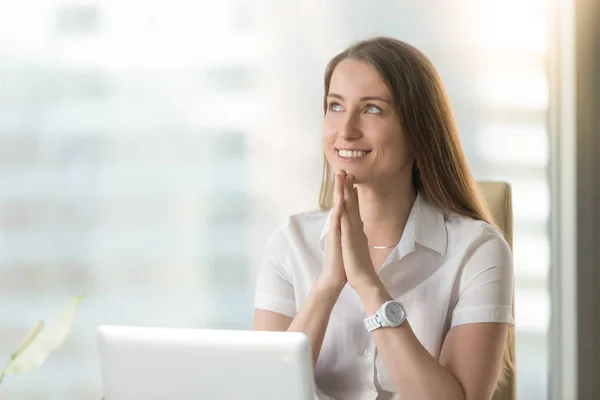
{"type": "Point", "coordinates": [499, 201]}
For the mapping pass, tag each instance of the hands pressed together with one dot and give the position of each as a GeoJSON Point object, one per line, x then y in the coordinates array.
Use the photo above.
{"type": "Point", "coordinates": [347, 257]}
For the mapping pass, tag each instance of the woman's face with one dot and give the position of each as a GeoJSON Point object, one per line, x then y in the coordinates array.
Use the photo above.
{"type": "Point", "coordinates": [362, 133]}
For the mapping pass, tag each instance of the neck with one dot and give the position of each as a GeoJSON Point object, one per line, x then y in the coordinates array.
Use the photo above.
{"type": "Point", "coordinates": [384, 209]}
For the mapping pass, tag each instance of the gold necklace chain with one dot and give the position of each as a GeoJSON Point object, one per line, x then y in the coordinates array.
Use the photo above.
{"type": "Point", "coordinates": [382, 247]}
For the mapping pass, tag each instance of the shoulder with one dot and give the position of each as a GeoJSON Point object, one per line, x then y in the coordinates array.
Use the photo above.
{"type": "Point", "coordinates": [307, 221]}
{"type": "Point", "coordinates": [467, 235]}
{"type": "Point", "coordinates": [303, 228]}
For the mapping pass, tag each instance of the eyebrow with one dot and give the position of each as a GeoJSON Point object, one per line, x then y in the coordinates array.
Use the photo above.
{"type": "Point", "coordinates": [365, 98]}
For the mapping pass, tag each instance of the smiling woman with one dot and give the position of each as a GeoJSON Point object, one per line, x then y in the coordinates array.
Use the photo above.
{"type": "Point", "coordinates": [403, 266]}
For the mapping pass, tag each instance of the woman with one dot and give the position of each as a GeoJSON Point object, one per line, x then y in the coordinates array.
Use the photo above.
{"type": "Point", "coordinates": [404, 287]}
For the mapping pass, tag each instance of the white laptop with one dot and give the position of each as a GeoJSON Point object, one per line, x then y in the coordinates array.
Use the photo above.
{"type": "Point", "coordinates": [180, 364]}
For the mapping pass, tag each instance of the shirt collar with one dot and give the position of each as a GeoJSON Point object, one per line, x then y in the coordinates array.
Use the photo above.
{"type": "Point", "coordinates": [425, 226]}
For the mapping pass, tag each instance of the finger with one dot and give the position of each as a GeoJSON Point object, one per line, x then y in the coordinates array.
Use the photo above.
{"type": "Point", "coordinates": [338, 192]}
{"type": "Point", "coordinates": [338, 202]}
{"type": "Point", "coordinates": [349, 197]}
{"type": "Point", "coordinates": [345, 225]}
{"type": "Point", "coordinates": [358, 217]}
{"type": "Point", "coordinates": [356, 201]}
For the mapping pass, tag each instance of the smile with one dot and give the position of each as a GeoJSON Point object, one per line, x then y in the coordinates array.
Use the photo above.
{"type": "Point", "coordinates": [352, 153]}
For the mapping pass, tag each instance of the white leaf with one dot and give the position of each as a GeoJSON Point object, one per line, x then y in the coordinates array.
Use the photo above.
{"type": "Point", "coordinates": [32, 334]}
{"type": "Point", "coordinates": [51, 337]}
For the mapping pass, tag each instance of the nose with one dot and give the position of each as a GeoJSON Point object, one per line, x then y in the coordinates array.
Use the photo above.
{"type": "Point", "coordinates": [349, 128]}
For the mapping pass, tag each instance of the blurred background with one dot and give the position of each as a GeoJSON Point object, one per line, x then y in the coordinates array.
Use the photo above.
{"type": "Point", "coordinates": [148, 149]}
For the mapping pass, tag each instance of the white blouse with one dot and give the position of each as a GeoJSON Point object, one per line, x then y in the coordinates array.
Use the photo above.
{"type": "Point", "coordinates": [447, 270]}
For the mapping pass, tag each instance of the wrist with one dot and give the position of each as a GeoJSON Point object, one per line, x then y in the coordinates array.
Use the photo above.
{"type": "Point", "coordinates": [329, 289]}
{"type": "Point", "coordinates": [373, 295]}
{"type": "Point", "coordinates": [329, 285]}
{"type": "Point", "coordinates": [365, 283]}
{"type": "Point", "coordinates": [363, 278]}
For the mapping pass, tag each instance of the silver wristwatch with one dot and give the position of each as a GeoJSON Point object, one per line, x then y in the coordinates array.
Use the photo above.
{"type": "Point", "coordinates": [391, 314]}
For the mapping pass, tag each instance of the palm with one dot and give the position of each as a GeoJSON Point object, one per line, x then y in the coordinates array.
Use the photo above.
{"type": "Point", "coordinates": [355, 251]}
{"type": "Point", "coordinates": [355, 248]}
{"type": "Point", "coordinates": [333, 273]}
{"type": "Point", "coordinates": [333, 257]}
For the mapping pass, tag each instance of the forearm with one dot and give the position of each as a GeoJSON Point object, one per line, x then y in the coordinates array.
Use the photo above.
{"type": "Point", "coordinates": [416, 374]}
{"type": "Point", "coordinates": [313, 317]}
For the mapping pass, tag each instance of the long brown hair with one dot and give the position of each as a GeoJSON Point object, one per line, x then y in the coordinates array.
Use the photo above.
{"type": "Point", "coordinates": [440, 169]}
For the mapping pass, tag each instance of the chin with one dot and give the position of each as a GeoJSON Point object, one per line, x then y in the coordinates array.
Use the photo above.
{"type": "Point", "coordinates": [360, 176]}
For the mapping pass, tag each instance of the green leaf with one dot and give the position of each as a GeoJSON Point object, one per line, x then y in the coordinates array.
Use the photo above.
{"type": "Point", "coordinates": [41, 341]}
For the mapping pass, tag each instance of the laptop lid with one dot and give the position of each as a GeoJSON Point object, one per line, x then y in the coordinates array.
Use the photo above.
{"type": "Point", "coordinates": [169, 363]}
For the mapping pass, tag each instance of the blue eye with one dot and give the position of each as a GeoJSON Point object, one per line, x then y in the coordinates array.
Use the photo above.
{"type": "Point", "coordinates": [335, 107]}
{"type": "Point", "coordinates": [373, 110]}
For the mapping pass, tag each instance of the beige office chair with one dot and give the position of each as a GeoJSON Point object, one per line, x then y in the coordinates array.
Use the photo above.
{"type": "Point", "coordinates": [499, 201]}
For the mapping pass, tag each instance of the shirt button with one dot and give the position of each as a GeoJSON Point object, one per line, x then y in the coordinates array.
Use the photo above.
{"type": "Point", "coordinates": [367, 353]}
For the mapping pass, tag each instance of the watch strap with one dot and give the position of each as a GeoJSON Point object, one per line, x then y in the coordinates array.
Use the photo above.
{"type": "Point", "coordinates": [373, 322]}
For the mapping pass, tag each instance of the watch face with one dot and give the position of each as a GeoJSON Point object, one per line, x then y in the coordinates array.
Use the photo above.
{"type": "Point", "coordinates": [394, 312]}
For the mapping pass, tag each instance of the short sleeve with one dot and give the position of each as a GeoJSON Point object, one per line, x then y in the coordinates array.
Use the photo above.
{"type": "Point", "coordinates": [485, 289]}
{"type": "Point", "coordinates": [274, 288]}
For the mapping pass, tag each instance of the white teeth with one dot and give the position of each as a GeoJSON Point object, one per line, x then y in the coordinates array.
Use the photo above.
{"type": "Point", "coordinates": [351, 153]}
